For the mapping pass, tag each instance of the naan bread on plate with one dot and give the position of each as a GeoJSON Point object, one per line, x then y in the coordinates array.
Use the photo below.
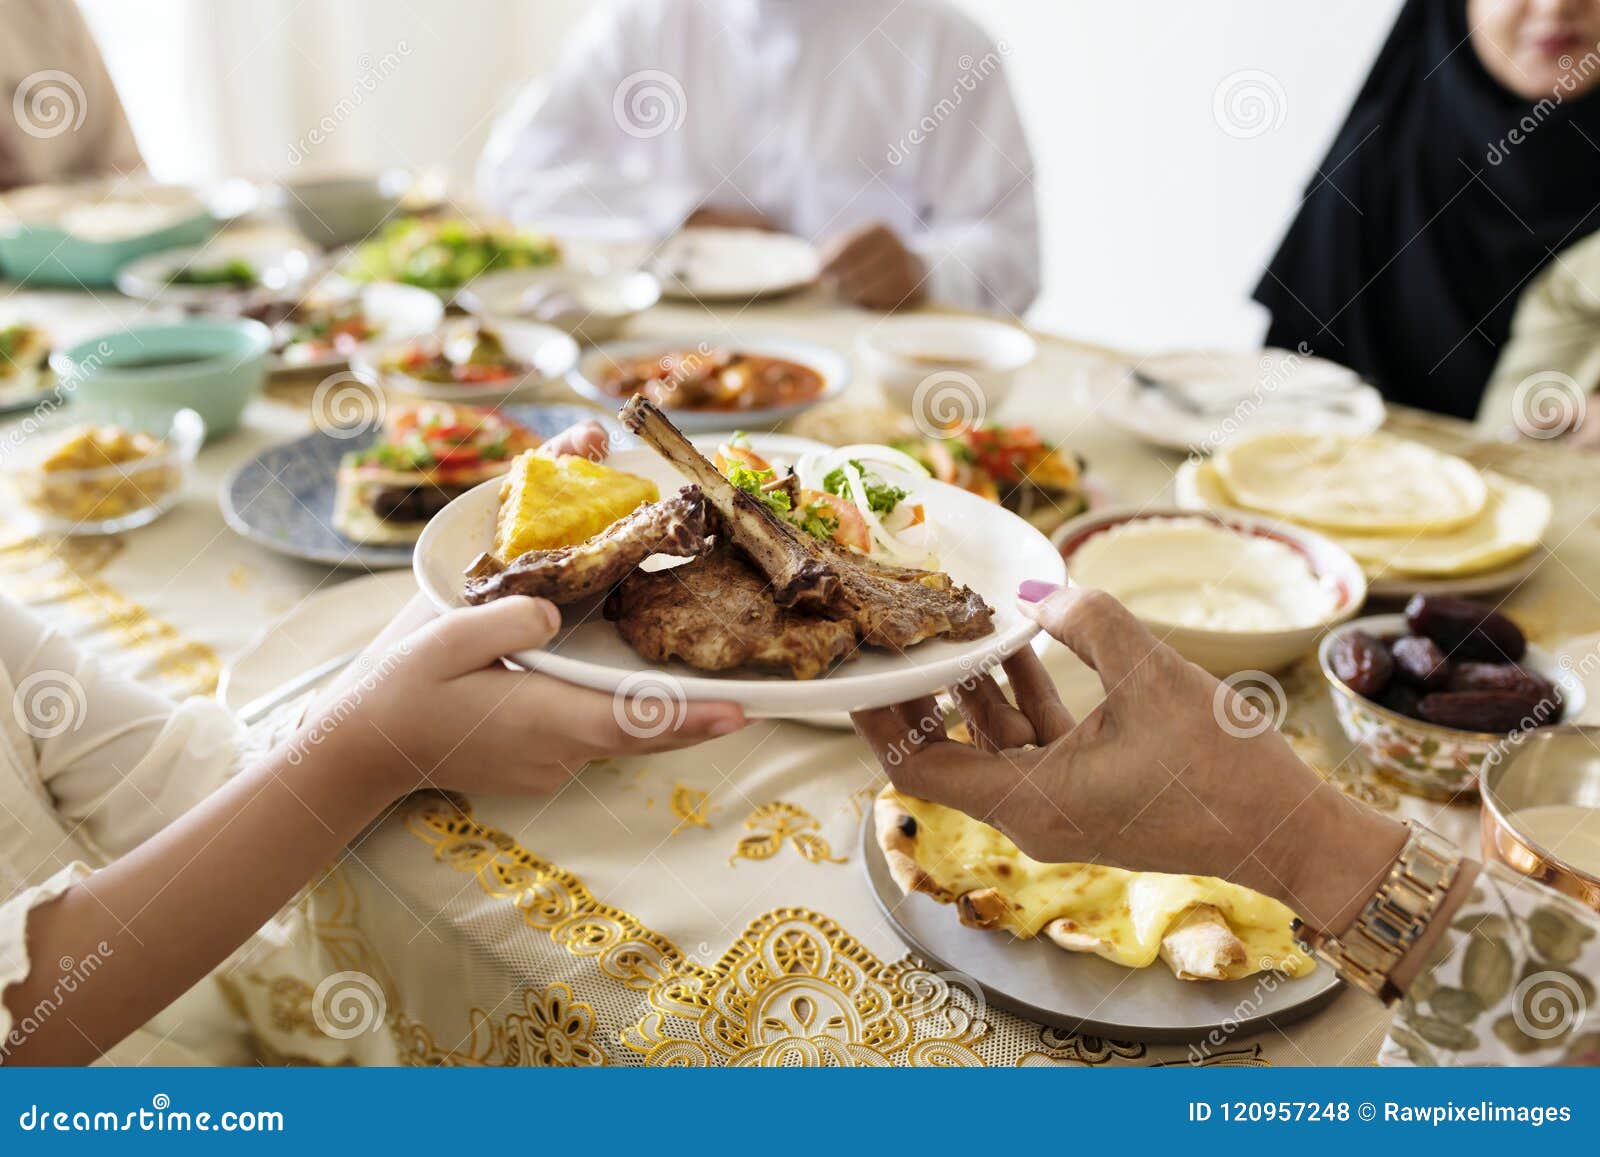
{"type": "Point", "coordinates": [1375, 484]}
{"type": "Point", "coordinates": [1510, 527]}
{"type": "Point", "coordinates": [1203, 928]}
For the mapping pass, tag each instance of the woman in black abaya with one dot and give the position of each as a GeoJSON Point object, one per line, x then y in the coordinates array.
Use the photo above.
{"type": "Point", "coordinates": [1471, 158]}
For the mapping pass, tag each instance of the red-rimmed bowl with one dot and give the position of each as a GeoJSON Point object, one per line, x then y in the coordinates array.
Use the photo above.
{"type": "Point", "coordinates": [1179, 567]}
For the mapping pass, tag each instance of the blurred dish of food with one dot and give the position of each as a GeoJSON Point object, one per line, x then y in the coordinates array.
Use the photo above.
{"type": "Point", "coordinates": [1229, 592]}
{"type": "Point", "coordinates": [81, 234]}
{"type": "Point", "coordinates": [321, 327]}
{"type": "Point", "coordinates": [1010, 465]}
{"type": "Point", "coordinates": [470, 360]}
{"type": "Point", "coordinates": [86, 479]}
{"type": "Point", "coordinates": [592, 307]}
{"type": "Point", "coordinates": [753, 382]}
{"type": "Point", "coordinates": [1203, 399]}
{"type": "Point", "coordinates": [1541, 810]}
{"type": "Point", "coordinates": [944, 370]}
{"type": "Point", "coordinates": [24, 362]}
{"type": "Point", "coordinates": [429, 453]}
{"type": "Point", "coordinates": [209, 365]}
{"type": "Point", "coordinates": [1414, 518]}
{"type": "Point", "coordinates": [715, 264]}
{"type": "Point", "coordinates": [443, 254]}
{"type": "Point", "coordinates": [332, 210]}
{"type": "Point", "coordinates": [1428, 695]}
{"type": "Point", "coordinates": [284, 496]}
{"type": "Point", "coordinates": [215, 273]}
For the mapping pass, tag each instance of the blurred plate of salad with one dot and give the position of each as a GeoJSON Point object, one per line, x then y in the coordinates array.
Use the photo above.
{"type": "Point", "coordinates": [443, 254]}
{"type": "Point", "coordinates": [217, 273]}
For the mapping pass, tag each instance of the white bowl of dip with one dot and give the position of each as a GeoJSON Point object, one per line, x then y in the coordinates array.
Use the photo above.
{"type": "Point", "coordinates": [1229, 591]}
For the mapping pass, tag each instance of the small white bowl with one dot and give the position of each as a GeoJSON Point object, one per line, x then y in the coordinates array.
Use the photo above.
{"type": "Point", "coordinates": [330, 211]}
{"type": "Point", "coordinates": [1429, 759]}
{"type": "Point", "coordinates": [549, 353]}
{"type": "Point", "coordinates": [944, 370]}
{"type": "Point", "coordinates": [597, 305]}
{"type": "Point", "coordinates": [1225, 652]}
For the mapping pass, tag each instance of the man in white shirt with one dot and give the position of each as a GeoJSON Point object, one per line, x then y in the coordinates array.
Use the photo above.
{"type": "Point", "coordinates": [883, 131]}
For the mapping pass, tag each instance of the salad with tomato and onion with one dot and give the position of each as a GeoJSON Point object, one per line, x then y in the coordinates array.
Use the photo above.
{"type": "Point", "coordinates": [430, 453]}
{"type": "Point", "coordinates": [1010, 465]}
{"type": "Point", "coordinates": [438, 437]}
{"type": "Point", "coordinates": [847, 496]}
{"type": "Point", "coordinates": [467, 355]}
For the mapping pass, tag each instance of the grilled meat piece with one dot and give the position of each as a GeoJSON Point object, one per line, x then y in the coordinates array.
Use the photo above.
{"type": "Point", "coordinates": [415, 503]}
{"type": "Point", "coordinates": [675, 526]}
{"type": "Point", "coordinates": [889, 606]}
{"type": "Point", "coordinates": [716, 613]}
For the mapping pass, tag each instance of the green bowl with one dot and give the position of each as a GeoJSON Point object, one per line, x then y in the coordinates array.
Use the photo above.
{"type": "Point", "coordinates": [211, 366]}
{"type": "Point", "coordinates": [43, 255]}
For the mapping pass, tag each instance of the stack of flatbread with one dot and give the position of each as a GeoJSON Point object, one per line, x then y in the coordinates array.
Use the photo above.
{"type": "Point", "coordinates": [1400, 508]}
{"type": "Point", "coordinates": [1202, 928]}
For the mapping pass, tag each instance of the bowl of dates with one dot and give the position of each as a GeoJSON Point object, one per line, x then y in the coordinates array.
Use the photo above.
{"type": "Point", "coordinates": [1429, 695]}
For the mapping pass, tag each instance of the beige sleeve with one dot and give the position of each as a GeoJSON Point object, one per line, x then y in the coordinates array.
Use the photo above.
{"type": "Point", "coordinates": [1553, 355]}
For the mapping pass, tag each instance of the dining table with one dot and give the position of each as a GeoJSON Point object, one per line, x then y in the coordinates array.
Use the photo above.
{"type": "Point", "coordinates": [705, 907]}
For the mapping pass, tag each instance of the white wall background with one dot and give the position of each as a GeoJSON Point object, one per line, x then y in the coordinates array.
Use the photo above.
{"type": "Point", "coordinates": [1156, 220]}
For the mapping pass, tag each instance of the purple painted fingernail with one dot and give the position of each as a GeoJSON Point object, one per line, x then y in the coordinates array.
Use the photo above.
{"type": "Point", "coordinates": [1034, 591]}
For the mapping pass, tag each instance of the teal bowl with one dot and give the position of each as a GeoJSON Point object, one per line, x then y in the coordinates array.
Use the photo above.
{"type": "Point", "coordinates": [211, 366]}
{"type": "Point", "coordinates": [43, 255]}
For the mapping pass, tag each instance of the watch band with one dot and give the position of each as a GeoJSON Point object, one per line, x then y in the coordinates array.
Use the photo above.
{"type": "Point", "coordinates": [1395, 916]}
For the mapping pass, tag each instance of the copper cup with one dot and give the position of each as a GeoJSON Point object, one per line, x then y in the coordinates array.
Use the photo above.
{"type": "Point", "coordinates": [1555, 765]}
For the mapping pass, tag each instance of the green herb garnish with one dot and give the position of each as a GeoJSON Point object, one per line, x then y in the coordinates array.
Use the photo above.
{"type": "Point", "coordinates": [882, 498]}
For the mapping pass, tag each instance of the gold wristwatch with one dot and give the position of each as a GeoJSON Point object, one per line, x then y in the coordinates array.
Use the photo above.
{"type": "Point", "coordinates": [1392, 920]}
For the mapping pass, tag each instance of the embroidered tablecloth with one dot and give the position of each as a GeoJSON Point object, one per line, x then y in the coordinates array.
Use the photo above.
{"type": "Point", "coordinates": [701, 908]}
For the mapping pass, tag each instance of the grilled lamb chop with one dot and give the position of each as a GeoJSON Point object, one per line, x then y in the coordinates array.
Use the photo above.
{"type": "Point", "coordinates": [675, 526]}
{"type": "Point", "coordinates": [889, 606]}
{"type": "Point", "coordinates": [716, 614]}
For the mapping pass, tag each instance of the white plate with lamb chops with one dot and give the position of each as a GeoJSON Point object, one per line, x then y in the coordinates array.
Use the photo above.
{"type": "Point", "coordinates": [902, 637]}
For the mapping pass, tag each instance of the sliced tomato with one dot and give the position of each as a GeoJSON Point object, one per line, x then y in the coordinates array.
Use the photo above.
{"type": "Point", "coordinates": [458, 456]}
{"type": "Point", "coordinates": [727, 454]}
{"type": "Point", "coordinates": [852, 530]}
{"type": "Point", "coordinates": [469, 374]}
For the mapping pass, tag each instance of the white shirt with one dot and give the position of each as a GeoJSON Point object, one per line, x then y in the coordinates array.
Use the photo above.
{"type": "Point", "coordinates": [91, 766]}
{"type": "Point", "coordinates": [823, 115]}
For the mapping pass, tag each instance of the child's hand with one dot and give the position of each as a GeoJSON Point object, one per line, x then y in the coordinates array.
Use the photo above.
{"type": "Point", "coordinates": [437, 708]}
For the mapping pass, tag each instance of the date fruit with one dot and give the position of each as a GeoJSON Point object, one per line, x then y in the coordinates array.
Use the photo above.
{"type": "Point", "coordinates": [1401, 697]}
{"type": "Point", "coordinates": [1422, 663]}
{"type": "Point", "coordinates": [1504, 677]}
{"type": "Point", "coordinates": [1362, 662]}
{"type": "Point", "coordinates": [1465, 629]}
{"type": "Point", "coordinates": [1497, 711]}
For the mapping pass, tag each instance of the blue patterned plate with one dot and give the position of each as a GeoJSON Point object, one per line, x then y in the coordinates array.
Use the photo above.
{"type": "Point", "coordinates": [283, 497]}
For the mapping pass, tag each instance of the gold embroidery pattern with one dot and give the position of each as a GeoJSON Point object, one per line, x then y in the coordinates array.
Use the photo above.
{"type": "Point", "coordinates": [40, 572]}
{"type": "Point", "coordinates": [692, 807]}
{"type": "Point", "coordinates": [796, 990]}
{"type": "Point", "coordinates": [549, 898]}
{"type": "Point", "coordinates": [773, 823]}
{"type": "Point", "coordinates": [551, 1031]}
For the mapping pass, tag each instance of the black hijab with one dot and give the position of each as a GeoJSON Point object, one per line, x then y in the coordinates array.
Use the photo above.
{"type": "Point", "coordinates": [1400, 263]}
